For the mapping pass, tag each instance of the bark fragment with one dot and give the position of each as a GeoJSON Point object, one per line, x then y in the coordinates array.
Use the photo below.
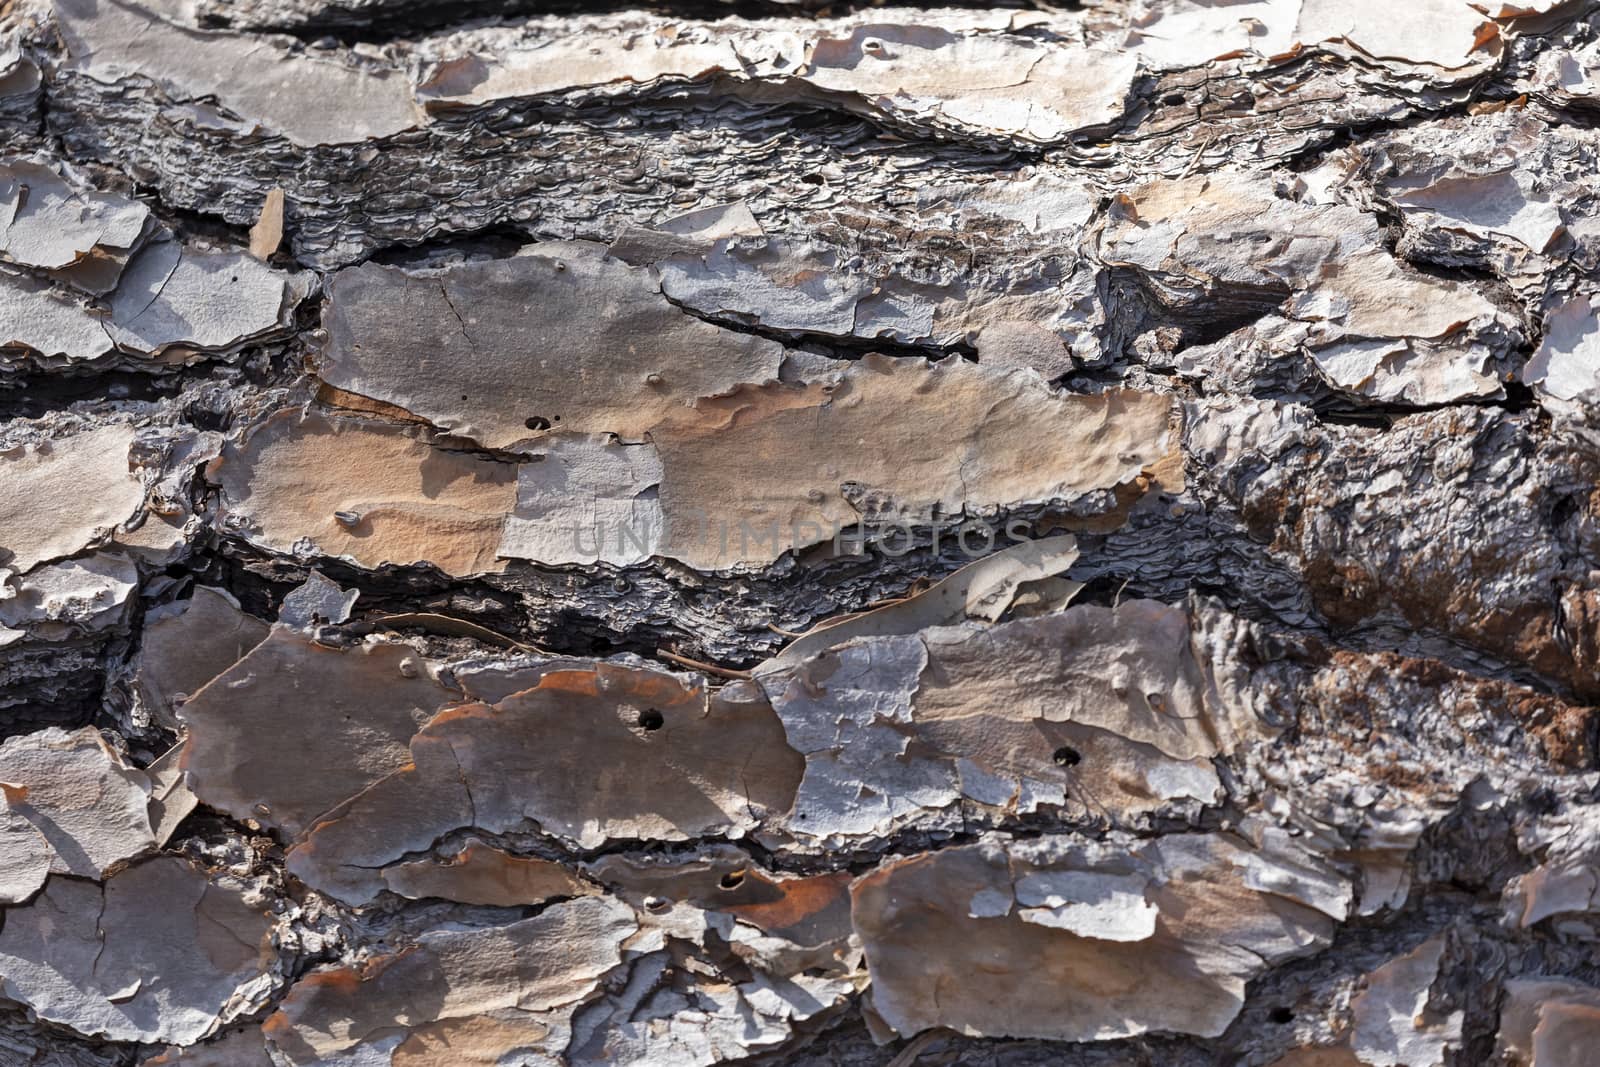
{"type": "Point", "coordinates": [188, 643]}
{"type": "Point", "coordinates": [517, 981]}
{"type": "Point", "coordinates": [609, 353]}
{"type": "Point", "coordinates": [587, 755]}
{"type": "Point", "coordinates": [1317, 277]}
{"type": "Point", "coordinates": [482, 874]}
{"type": "Point", "coordinates": [108, 40]}
{"type": "Point", "coordinates": [90, 808]}
{"type": "Point", "coordinates": [1162, 936]}
{"type": "Point", "coordinates": [158, 960]}
{"type": "Point", "coordinates": [1548, 1023]}
{"type": "Point", "coordinates": [1092, 711]}
{"type": "Point", "coordinates": [361, 704]}
{"type": "Point", "coordinates": [48, 486]}
{"type": "Point", "coordinates": [365, 490]}
{"type": "Point", "coordinates": [77, 233]}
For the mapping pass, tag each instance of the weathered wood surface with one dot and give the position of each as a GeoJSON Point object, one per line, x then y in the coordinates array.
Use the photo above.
{"type": "Point", "coordinates": [425, 428]}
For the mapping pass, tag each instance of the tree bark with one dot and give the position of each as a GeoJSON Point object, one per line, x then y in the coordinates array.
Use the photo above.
{"type": "Point", "coordinates": [785, 532]}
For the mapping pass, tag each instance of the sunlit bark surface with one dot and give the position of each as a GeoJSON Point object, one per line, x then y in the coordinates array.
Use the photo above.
{"type": "Point", "coordinates": [539, 533]}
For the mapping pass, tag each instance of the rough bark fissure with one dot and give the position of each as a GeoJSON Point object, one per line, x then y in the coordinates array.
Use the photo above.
{"type": "Point", "coordinates": [793, 532]}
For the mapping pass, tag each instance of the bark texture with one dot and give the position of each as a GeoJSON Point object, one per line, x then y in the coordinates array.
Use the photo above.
{"type": "Point", "coordinates": [802, 533]}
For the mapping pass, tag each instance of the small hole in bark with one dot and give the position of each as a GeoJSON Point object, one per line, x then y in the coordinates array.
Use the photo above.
{"type": "Point", "coordinates": [732, 880]}
{"type": "Point", "coordinates": [1173, 99]}
{"type": "Point", "coordinates": [1067, 756]}
{"type": "Point", "coordinates": [813, 179]}
{"type": "Point", "coordinates": [535, 422]}
{"type": "Point", "coordinates": [651, 719]}
{"type": "Point", "coordinates": [1281, 1015]}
